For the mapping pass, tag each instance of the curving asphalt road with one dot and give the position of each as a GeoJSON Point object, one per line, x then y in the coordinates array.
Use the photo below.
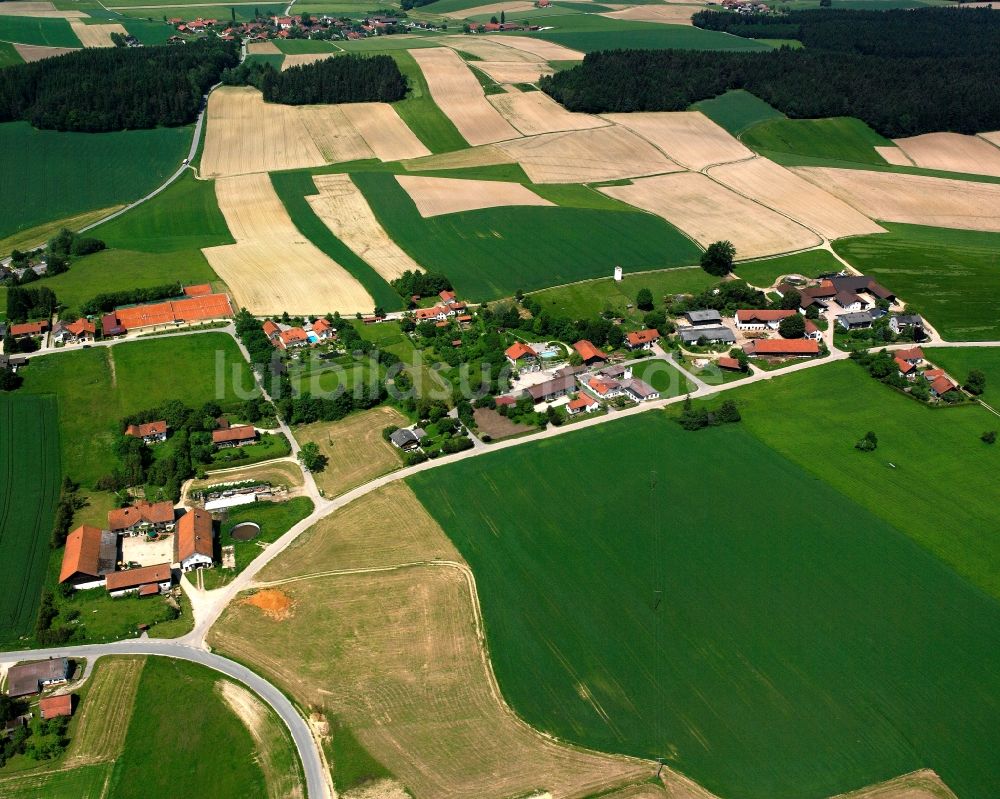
{"type": "Point", "coordinates": [301, 736]}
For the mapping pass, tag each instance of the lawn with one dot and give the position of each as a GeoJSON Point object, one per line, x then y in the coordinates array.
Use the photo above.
{"type": "Point", "coordinates": [37, 30]}
{"type": "Point", "coordinates": [594, 297]}
{"type": "Point", "coordinates": [275, 519]}
{"type": "Point", "coordinates": [589, 32]}
{"type": "Point", "coordinates": [268, 447]}
{"type": "Point", "coordinates": [293, 188]}
{"type": "Point", "coordinates": [737, 110]}
{"type": "Point", "coordinates": [494, 252]}
{"type": "Point", "coordinates": [29, 489]}
{"type": "Point", "coordinates": [950, 276]}
{"type": "Point", "coordinates": [726, 621]}
{"type": "Point", "coordinates": [662, 376]}
{"type": "Point", "coordinates": [836, 140]}
{"type": "Point", "coordinates": [421, 114]}
{"type": "Point", "coordinates": [57, 175]}
{"type": "Point", "coordinates": [958, 362]}
{"type": "Point", "coordinates": [764, 272]}
{"type": "Point", "coordinates": [102, 618]}
{"type": "Point", "coordinates": [214, 749]}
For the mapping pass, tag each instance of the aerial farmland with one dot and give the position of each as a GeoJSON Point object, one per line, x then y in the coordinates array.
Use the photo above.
{"type": "Point", "coordinates": [547, 398]}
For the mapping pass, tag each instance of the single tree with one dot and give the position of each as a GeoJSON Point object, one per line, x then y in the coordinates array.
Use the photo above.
{"type": "Point", "coordinates": [989, 437]}
{"type": "Point", "coordinates": [311, 458]}
{"type": "Point", "coordinates": [791, 301]}
{"type": "Point", "coordinates": [868, 443]}
{"type": "Point", "coordinates": [503, 17]}
{"type": "Point", "coordinates": [727, 413]}
{"type": "Point", "coordinates": [718, 258]}
{"type": "Point", "coordinates": [793, 326]}
{"type": "Point", "coordinates": [975, 383]}
{"type": "Point", "coordinates": [644, 300]}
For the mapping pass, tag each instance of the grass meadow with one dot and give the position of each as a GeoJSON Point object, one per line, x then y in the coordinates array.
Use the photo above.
{"type": "Point", "coordinates": [82, 781]}
{"type": "Point", "coordinates": [58, 174]}
{"type": "Point", "coordinates": [719, 606]}
{"type": "Point", "coordinates": [959, 361]}
{"type": "Point", "coordinates": [737, 111]}
{"type": "Point", "coordinates": [662, 376]}
{"type": "Point", "coordinates": [38, 30]}
{"type": "Point", "coordinates": [835, 139]}
{"type": "Point", "coordinates": [8, 55]}
{"type": "Point", "coordinates": [29, 489]}
{"type": "Point", "coordinates": [950, 276]}
{"type": "Point", "coordinates": [764, 272]}
{"type": "Point", "coordinates": [494, 252]}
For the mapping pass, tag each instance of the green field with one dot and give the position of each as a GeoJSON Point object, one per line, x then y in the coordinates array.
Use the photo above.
{"type": "Point", "coordinates": [663, 377]}
{"type": "Point", "coordinates": [808, 264]}
{"type": "Point", "coordinates": [959, 361]}
{"type": "Point", "coordinates": [421, 114]}
{"type": "Point", "coordinates": [835, 141]}
{"type": "Point", "coordinates": [494, 252]}
{"type": "Point", "coordinates": [293, 188]}
{"type": "Point", "coordinates": [593, 297]}
{"type": "Point", "coordinates": [37, 30]}
{"type": "Point", "coordinates": [8, 55]}
{"type": "Point", "coordinates": [29, 489]}
{"type": "Point", "coordinates": [83, 781]}
{"type": "Point", "coordinates": [211, 746]}
{"type": "Point", "coordinates": [588, 32]}
{"type": "Point", "coordinates": [950, 276]}
{"type": "Point", "coordinates": [62, 174]}
{"type": "Point", "coordinates": [737, 111]}
{"type": "Point", "coordinates": [745, 621]}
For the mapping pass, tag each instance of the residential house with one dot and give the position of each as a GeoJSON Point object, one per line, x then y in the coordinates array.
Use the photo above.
{"type": "Point", "coordinates": [291, 338]}
{"type": "Point", "coordinates": [51, 707]}
{"type": "Point", "coordinates": [26, 679]}
{"type": "Point", "coordinates": [146, 580]}
{"type": "Point", "coordinates": [322, 329]}
{"type": "Point", "coordinates": [912, 323]}
{"type": "Point", "coordinates": [193, 541]}
{"type": "Point", "coordinates": [584, 403]}
{"type": "Point", "coordinates": [639, 390]}
{"type": "Point", "coordinates": [605, 388]}
{"type": "Point", "coordinates": [942, 385]}
{"type": "Point", "coordinates": [447, 297]}
{"type": "Point", "coordinates": [616, 372]}
{"type": "Point", "coordinates": [439, 313]}
{"type": "Point", "coordinates": [752, 319]}
{"type": "Point", "coordinates": [74, 332]}
{"type": "Point", "coordinates": [912, 355]}
{"type": "Point", "coordinates": [28, 329]}
{"type": "Point", "coordinates": [89, 555]}
{"type": "Point", "coordinates": [141, 515]}
{"type": "Point", "coordinates": [812, 331]}
{"type": "Point", "coordinates": [642, 339]}
{"type": "Point", "coordinates": [407, 439]}
{"type": "Point", "coordinates": [271, 330]}
{"type": "Point", "coordinates": [706, 317]}
{"type": "Point", "coordinates": [551, 389]}
{"type": "Point", "coordinates": [906, 369]}
{"type": "Point", "coordinates": [235, 436]}
{"type": "Point", "coordinates": [779, 347]}
{"type": "Point", "coordinates": [856, 321]}
{"type": "Point", "coordinates": [521, 356]}
{"type": "Point", "coordinates": [150, 432]}
{"type": "Point", "coordinates": [708, 335]}
{"type": "Point", "coordinates": [590, 354]}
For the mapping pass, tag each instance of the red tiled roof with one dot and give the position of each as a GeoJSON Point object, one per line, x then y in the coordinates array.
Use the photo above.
{"type": "Point", "coordinates": [904, 366]}
{"type": "Point", "coordinates": [642, 337]}
{"type": "Point", "coordinates": [82, 553]}
{"type": "Point", "coordinates": [811, 326]}
{"type": "Point", "coordinates": [750, 315]}
{"type": "Point", "coordinates": [321, 326]}
{"type": "Point", "coordinates": [243, 432]}
{"type": "Point", "coordinates": [508, 400]}
{"type": "Point", "coordinates": [911, 354]}
{"type": "Point", "coordinates": [430, 313]}
{"type": "Point", "coordinates": [931, 374]}
{"type": "Point", "coordinates": [54, 706]}
{"type": "Point", "coordinates": [148, 429]}
{"type": "Point", "coordinates": [151, 512]}
{"type": "Point", "coordinates": [728, 363]}
{"type": "Point", "coordinates": [194, 534]}
{"type": "Point", "coordinates": [588, 351]}
{"type": "Point", "coordinates": [583, 401]}
{"type": "Point", "coordinates": [446, 296]}
{"type": "Point", "coordinates": [602, 387]}
{"type": "Point", "coordinates": [149, 589]}
{"type": "Point", "coordinates": [270, 328]}
{"type": "Point", "coordinates": [295, 335]}
{"type": "Point", "coordinates": [133, 578]}
{"type": "Point", "coordinates": [785, 346]}
{"type": "Point", "coordinates": [519, 350]}
{"type": "Point", "coordinates": [942, 385]}
{"type": "Point", "coordinates": [29, 329]}
{"type": "Point", "coordinates": [465, 318]}
{"type": "Point", "coordinates": [81, 326]}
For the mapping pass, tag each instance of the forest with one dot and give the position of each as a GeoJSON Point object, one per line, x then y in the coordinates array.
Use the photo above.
{"type": "Point", "coordinates": [882, 67]}
{"type": "Point", "coordinates": [345, 79]}
{"type": "Point", "coordinates": [105, 89]}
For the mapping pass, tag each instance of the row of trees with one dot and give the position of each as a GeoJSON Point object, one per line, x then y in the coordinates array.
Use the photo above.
{"type": "Point", "coordinates": [104, 89]}
{"type": "Point", "coordinates": [421, 284]}
{"type": "Point", "coordinates": [37, 302]}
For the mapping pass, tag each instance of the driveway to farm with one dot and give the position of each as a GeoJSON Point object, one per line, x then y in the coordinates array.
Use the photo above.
{"type": "Point", "coordinates": [312, 764]}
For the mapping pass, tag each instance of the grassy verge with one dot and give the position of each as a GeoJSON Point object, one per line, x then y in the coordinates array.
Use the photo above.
{"type": "Point", "coordinates": [764, 272]}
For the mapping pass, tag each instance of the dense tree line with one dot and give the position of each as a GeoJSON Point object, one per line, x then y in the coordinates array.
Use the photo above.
{"type": "Point", "coordinates": [103, 89]}
{"type": "Point", "coordinates": [900, 90]}
{"type": "Point", "coordinates": [108, 301]}
{"type": "Point", "coordinates": [421, 284]}
{"type": "Point", "coordinates": [24, 304]}
{"type": "Point", "coordinates": [345, 79]}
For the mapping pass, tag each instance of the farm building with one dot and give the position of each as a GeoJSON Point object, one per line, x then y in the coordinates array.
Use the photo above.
{"type": "Point", "coordinates": [551, 389]}
{"type": "Point", "coordinates": [858, 320]}
{"type": "Point", "coordinates": [778, 347]}
{"type": "Point", "coordinates": [406, 439]}
{"type": "Point", "coordinates": [150, 432]}
{"type": "Point", "coordinates": [521, 356]}
{"type": "Point", "coordinates": [619, 372]}
{"type": "Point", "coordinates": [89, 555]}
{"type": "Point", "coordinates": [749, 319]}
{"type": "Point", "coordinates": [731, 364]}
{"type": "Point", "coordinates": [639, 390]}
{"type": "Point", "coordinates": [642, 339]}
{"type": "Point", "coordinates": [144, 581]}
{"type": "Point", "coordinates": [193, 542]}
{"type": "Point", "coordinates": [111, 326]}
{"type": "Point", "coordinates": [590, 354]}
{"type": "Point", "coordinates": [51, 707]}
{"type": "Point", "coordinates": [156, 515]}
{"type": "Point", "coordinates": [29, 678]}
{"type": "Point", "coordinates": [706, 317]}
{"type": "Point", "coordinates": [710, 335]}
{"type": "Point", "coordinates": [860, 284]}
{"type": "Point", "coordinates": [851, 302]}
{"type": "Point", "coordinates": [582, 404]}
{"type": "Point", "coordinates": [236, 436]}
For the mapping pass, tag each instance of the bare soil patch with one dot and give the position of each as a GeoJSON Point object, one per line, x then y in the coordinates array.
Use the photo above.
{"type": "Point", "coordinates": [515, 71]}
{"type": "Point", "coordinates": [344, 209]}
{"type": "Point", "coordinates": [487, 155]}
{"type": "Point", "coordinates": [923, 784]}
{"type": "Point", "coordinates": [708, 212]}
{"type": "Point", "coordinates": [381, 789]}
{"type": "Point", "coordinates": [771, 185]}
{"type": "Point", "coordinates": [272, 267]}
{"type": "Point", "coordinates": [535, 112]}
{"type": "Point", "coordinates": [913, 199]}
{"type": "Point", "coordinates": [953, 152]}
{"type": "Point", "coordinates": [673, 14]}
{"type": "Point", "coordinates": [96, 35]}
{"type": "Point", "coordinates": [547, 51]}
{"type": "Point", "coordinates": [458, 94]}
{"type": "Point", "coordinates": [496, 426]}
{"type": "Point", "coordinates": [355, 448]}
{"type": "Point", "coordinates": [384, 132]}
{"type": "Point", "coordinates": [688, 137]}
{"type": "Point", "coordinates": [583, 156]}
{"type": "Point", "coordinates": [272, 602]}
{"type": "Point", "coordinates": [36, 52]}
{"type": "Point", "coordinates": [894, 156]}
{"type": "Point", "coordinates": [436, 196]}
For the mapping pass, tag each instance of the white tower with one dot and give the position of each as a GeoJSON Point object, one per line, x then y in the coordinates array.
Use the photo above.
{"type": "Point", "coordinates": [618, 274]}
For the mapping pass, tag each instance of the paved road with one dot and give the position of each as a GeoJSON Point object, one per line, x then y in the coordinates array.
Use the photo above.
{"type": "Point", "coordinates": [311, 762]}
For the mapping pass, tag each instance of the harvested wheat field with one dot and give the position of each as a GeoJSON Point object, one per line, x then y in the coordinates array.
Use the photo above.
{"type": "Point", "coordinates": [993, 137]}
{"type": "Point", "coordinates": [584, 156]}
{"type": "Point", "coordinates": [506, 5]}
{"type": "Point", "coordinates": [689, 137]}
{"type": "Point", "coordinates": [894, 156]}
{"type": "Point", "coordinates": [344, 209]}
{"type": "Point", "coordinates": [96, 35]}
{"type": "Point", "coordinates": [923, 784]}
{"type": "Point", "coordinates": [303, 59]}
{"type": "Point", "coordinates": [708, 212]}
{"type": "Point", "coordinates": [913, 199]}
{"type": "Point", "coordinates": [458, 94]}
{"type": "Point", "coordinates": [355, 447]}
{"type": "Point", "coordinates": [105, 715]}
{"type": "Point", "coordinates": [535, 112]}
{"type": "Point", "coordinates": [673, 14]}
{"type": "Point", "coordinates": [36, 52]}
{"type": "Point", "coordinates": [952, 152]}
{"type": "Point", "coordinates": [273, 268]}
{"type": "Point", "coordinates": [486, 155]}
{"type": "Point", "coordinates": [336, 138]}
{"type": "Point", "coordinates": [515, 71]}
{"type": "Point", "coordinates": [480, 47]}
{"type": "Point", "coordinates": [547, 51]}
{"type": "Point", "coordinates": [771, 185]}
{"type": "Point", "coordinates": [387, 527]}
{"type": "Point", "coordinates": [43, 10]}
{"type": "Point", "coordinates": [263, 48]}
{"type": "Point", "coordinates": [383, 131]}
{"type": "Point", "coordinates": [396, 656]}
{"type": "Point", "coordinates": [436, 196]}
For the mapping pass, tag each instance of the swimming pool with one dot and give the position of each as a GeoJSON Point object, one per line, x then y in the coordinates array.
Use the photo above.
{"type": "Point", "coordinates": [313, 338]}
